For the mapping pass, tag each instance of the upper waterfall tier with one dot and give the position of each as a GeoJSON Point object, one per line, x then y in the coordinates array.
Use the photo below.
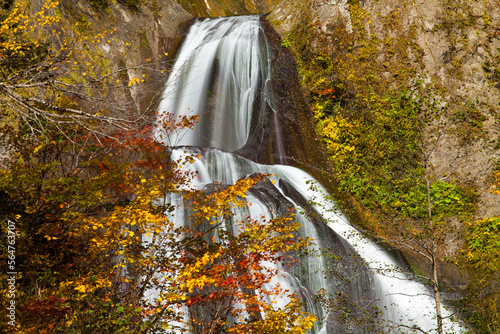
{"type": "Point", "coordinates": [220, 75]}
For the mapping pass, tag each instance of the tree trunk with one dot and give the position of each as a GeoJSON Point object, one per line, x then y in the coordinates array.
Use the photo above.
{"type": "Point", "coordinates": [436, 295]}
{"type": "Point", "coordinates": [435, 281]}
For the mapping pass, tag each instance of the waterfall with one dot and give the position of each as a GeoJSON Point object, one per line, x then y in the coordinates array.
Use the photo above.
{"type": "Point", "coordinates": [219, 73]}
{"type": "Point", "coordinates": [222, 74]}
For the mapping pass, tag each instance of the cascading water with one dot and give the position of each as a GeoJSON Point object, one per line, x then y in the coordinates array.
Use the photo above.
{"type": "Point", "coordinates": [219, 74]}
{"type": "Point", "coordinates": [223, 75]}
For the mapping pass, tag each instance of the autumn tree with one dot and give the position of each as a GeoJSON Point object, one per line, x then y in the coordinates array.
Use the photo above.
{"type": "Point", "coordinates": [93, 199]}
{"type": "Point", "coordinates": [97, 211]}
{"type": "Point", "coordinates": [50, 77]}
{"type": "Point", "coordinates": [429, 203]}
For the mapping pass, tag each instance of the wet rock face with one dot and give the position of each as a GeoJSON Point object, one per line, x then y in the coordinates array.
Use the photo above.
{"type": "Point", "coordinates": [347, 274]}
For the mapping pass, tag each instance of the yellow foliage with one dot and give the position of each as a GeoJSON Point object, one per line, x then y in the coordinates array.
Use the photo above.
{"type": "Point", "coordinates": [290, 319]}
{"type": "Point", "coordinates": [339, 134]}
{"type": "Point", "coordinates": [495, 187]}
{"type": "Point", "coordinates": [15, 28]}
{"type": "Point", "coordinates": [187, 275]}
{"type": "Point", "coordinates": [133, 81]}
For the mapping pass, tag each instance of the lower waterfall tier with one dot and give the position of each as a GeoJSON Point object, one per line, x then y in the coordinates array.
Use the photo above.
{"type": "Point", "coordinates": [354, 273]}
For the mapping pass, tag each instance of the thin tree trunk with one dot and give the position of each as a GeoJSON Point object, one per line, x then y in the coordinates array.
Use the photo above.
{"type": "Point", "coordinates": [435, 280]}
{"type": "Point", "coordinates": [437, 298]}
{"type": "Point", "coordinates": [428, 188]}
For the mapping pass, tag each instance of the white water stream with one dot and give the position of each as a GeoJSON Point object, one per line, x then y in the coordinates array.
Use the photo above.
{"type": "Point", "coordinates": [219, 73]}
{"type": "Point", "coordinates": [221, 69]}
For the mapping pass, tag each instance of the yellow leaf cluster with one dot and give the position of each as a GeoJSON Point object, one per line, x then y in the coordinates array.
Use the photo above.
{"type": "Point", "coordinates": [15, 28]}
{"type": "Point", "coordinates": [290, 319]}
{"type": "Point", "coordinates": [495, 187]}
{"type": "Point", "coordinates": [338, 133]}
